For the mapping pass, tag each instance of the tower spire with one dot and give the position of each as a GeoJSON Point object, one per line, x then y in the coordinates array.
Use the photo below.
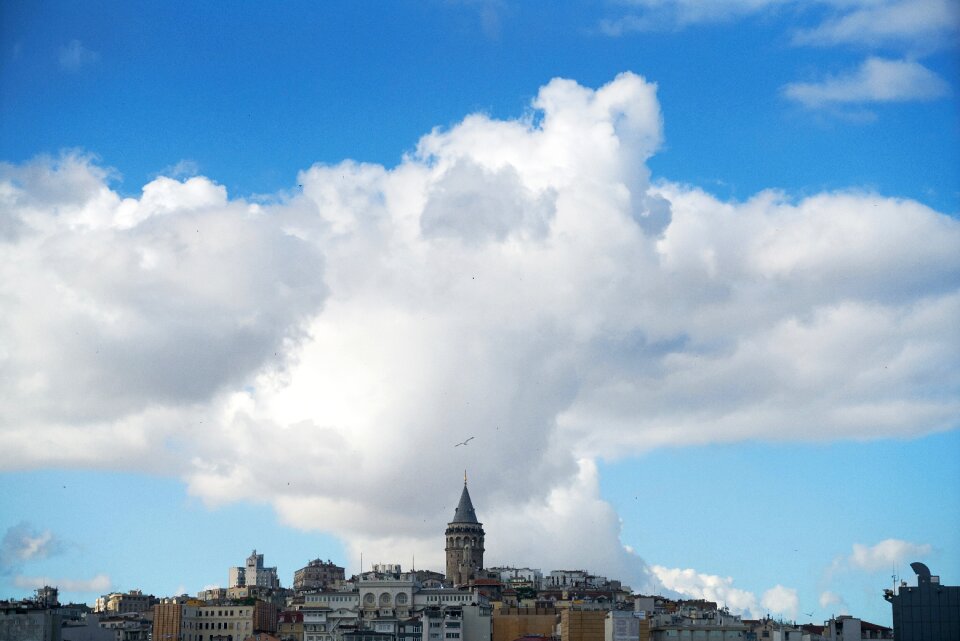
{"type": "Point", "coordinates": [464, 534]}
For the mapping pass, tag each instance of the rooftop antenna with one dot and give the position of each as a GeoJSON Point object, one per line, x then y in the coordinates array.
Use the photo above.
{"type": "Point", "coordinates": [464, 478]}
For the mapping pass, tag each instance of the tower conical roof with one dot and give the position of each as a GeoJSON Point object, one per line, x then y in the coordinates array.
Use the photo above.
{"type": "Point", "coordinates": [465, 512]}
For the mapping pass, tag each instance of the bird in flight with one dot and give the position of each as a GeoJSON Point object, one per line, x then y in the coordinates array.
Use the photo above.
{"type": "Point", "coordinates": [464, 442]}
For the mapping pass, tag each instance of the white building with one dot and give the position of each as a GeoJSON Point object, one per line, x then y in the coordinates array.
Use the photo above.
{"type": "Point", "coordinates": [519, 577]}
{"type": "Point", "coordinates": [253, 574]}
{"type": "Point", "coordinates": [392, 605]}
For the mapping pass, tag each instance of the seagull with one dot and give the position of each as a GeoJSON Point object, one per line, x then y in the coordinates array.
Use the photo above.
{"type": "Point", "coordinates": [464, 442]}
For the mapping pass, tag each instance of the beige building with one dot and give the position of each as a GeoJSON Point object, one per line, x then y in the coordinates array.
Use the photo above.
{"type": "Point", "coordinates": [124, 602]}
{"type": "Point", "coordinates": [226, 622]}
{"type": "Point", "coordinates": [317, 575]}
{"type": "Point", "coordinates": [290, 625]}
{"type": "Point", "coordinates": [213, 594]}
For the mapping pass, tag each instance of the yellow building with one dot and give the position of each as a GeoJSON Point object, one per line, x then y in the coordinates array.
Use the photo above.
{"type": "Point", "coordinates": [512, 623]}
{"type": "Point", "coordinates": [167, 619]}
{"type": "Point", "coordinates": [582, 625]}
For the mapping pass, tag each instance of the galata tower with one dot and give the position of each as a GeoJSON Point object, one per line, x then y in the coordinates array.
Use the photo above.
{"type": "Point", "coordinates": [464, 541]}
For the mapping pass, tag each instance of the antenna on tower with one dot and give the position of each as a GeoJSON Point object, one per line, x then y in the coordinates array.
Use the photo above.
{"type": "Point", "coordinates": [464, 478]}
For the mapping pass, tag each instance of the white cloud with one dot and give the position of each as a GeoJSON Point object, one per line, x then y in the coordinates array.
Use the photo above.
{"type": "Point", "coordinates": [914, 24]}
{"type": "Point", "coordinates": [74, 55]}
{"type": "Point", "coordinates": [183, 168]}
{"type": "Point", "coordinates": [886, 554]}
{"type": "Point", "coordinates": [781, 601]}
{"type": "Point", "coordinates": [98, 584]}
{"type": "Point", "coordinates": [519, 281]}
{"type": "Point", "coordinates": [833, 602]}
{"type": "Point", "coordinates": [876, 80]}
{"type": "Point", "coordinates": [911, 28]}
{"type": "Point", "coordinates": [697, 585]}
{"type": "Point", "coordinates": [655, 15]}
{"type": "Point", "coordinates": [23, 543]}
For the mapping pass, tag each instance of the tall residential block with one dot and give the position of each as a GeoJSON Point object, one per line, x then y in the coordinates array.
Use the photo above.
{"type": "Point", "coordinates": [253, 573]}
{"type": "Point", "coordinates": [167, 620]}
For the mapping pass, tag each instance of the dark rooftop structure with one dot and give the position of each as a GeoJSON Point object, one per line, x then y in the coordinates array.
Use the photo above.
{"type": "Point", "coordinates": [930, 611]}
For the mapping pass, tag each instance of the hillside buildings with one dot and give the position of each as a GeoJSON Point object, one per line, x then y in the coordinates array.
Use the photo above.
{"type": "Point", "coordinates": [394, 605]}
{"type": "Point", "coordinates": [468, 603]}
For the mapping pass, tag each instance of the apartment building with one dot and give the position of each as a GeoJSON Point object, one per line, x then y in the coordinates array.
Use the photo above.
{"type": "Point", "coordinates": [317, 575]}
{"type": "Point", "coordinates": [228, 621]}
{"type": "Point", "coordinates": [124, 602]}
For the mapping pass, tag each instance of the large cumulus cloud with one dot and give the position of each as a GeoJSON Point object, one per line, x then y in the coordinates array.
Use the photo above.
{"type": "Point", "coordinates": [519, 281]}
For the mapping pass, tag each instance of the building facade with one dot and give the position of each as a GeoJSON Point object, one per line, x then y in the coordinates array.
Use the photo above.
{"type": "Point", "coordinates": [124, 602]}
{"type": "Point", "coordinates": [392, 605]}
{"type": "Point", "coordinates": [317, 575]}
{"type": "Point", "coordinates": [290, 625]}
{"type": "Point", "coordinates": [227, 621]}
{"type": "Point", "coordinates": [167, 621]}
{"type": "Point", "coordinates": [930, 611]}
{"type": "Point", "coordinates": [21, 622]}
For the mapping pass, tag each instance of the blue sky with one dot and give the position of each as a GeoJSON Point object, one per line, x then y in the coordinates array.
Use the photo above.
{"type": "Point", "coordinates": [263, 267]}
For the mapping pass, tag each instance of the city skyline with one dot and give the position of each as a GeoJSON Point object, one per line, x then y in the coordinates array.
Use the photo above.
{"type": "Point", "coordinates": [678, 286]}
